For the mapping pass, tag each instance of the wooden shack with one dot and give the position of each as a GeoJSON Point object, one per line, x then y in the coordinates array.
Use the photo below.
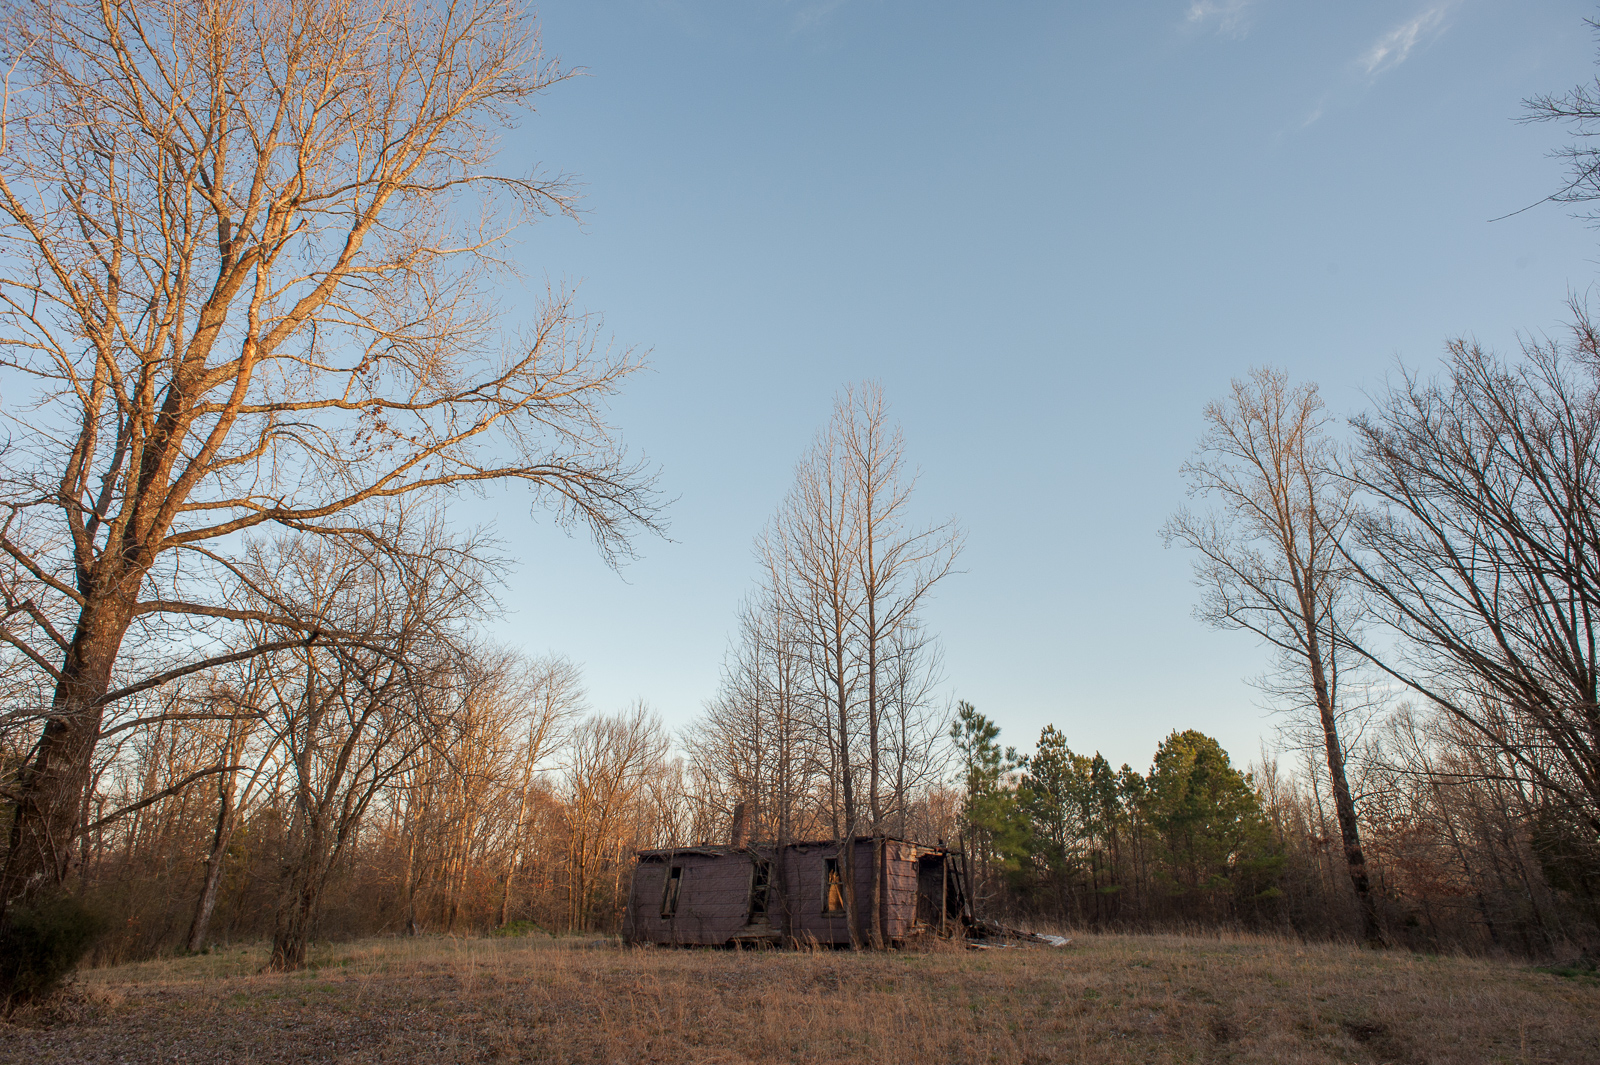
{"type": "Point", "coordinates": [794, 894]}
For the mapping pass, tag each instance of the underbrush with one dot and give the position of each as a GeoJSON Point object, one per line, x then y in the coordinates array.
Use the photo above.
{"type": "Point", "coordinates": [41, 943]}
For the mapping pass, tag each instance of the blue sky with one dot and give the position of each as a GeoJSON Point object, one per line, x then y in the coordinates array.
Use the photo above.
{"type": "Point", "coordinates": [1053, 231]}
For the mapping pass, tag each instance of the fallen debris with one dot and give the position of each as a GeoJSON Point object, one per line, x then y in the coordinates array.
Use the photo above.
{"type": "Point", "coordinates": [989, 935]}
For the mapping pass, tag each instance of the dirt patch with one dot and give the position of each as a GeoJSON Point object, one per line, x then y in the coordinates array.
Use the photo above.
{"type": "Point", "coordinates": [1365, 1031]}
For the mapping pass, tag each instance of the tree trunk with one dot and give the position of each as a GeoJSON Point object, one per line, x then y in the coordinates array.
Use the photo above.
{"type": "Point", "coordinates": [50, 793]}
{"type": "Point", "coordinates": [208, 897]}
{"type": "Point", "coordinates": [292, 930]}
{"type": "Point", "coordinates": [516, 853]}
{"type": "Point", "coordinates": [1344, 806]}
{"type": "Point", "coordinates": [778, 886]}
{"type": "Point", "coordinates": [297, 913]}
{"type": "Point", "coordinates": [880, 902]}
{"type": "Point", "coordinates": [505, 894]}
{"type": "Point", "coordinates": [413, 883]}
{"type": "Point", "coordinates": [873, 805]}
{"type": "Point", "coordinates": [219, 851]}
{"type": "Point", "coordinates": [848, 849]}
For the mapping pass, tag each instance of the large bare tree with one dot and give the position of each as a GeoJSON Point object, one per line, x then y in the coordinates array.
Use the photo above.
{"type": "Point", "coordinates": [897, 566]}
{"type": "Point", "coordinates": [833, 636]}
{"type": "Point", "coordinates": [822, 595]}
{"type": "Point", "coordinates": [1269, 559]}
{"type": "Point", "coordinates": [246, 265]}
{"type": "Point", "coordinates": [1482, 548]}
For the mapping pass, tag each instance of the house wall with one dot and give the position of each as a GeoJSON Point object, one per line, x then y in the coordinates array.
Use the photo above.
{"type": "Point", "coordinates": [901, 889]}
{"type": "Point", "coordinates": [807, 879]}
{"type": "Point", "coordinates": [713, 900]}
{"type": "Point", "coordinates": [714, 896]}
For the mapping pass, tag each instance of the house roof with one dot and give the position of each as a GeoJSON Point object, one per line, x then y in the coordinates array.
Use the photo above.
{"type": "Point", "coordinates": [710, 850]}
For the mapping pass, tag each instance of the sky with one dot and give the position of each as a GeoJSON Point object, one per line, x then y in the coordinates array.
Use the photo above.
{"type": "Point", "coordinates": [1053, 231]}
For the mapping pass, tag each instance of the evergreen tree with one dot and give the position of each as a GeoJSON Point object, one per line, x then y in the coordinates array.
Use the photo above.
{"type": "Point", "coordinates": [1208, 825]}
{"type": "Point", "coordinates": [995, 820]}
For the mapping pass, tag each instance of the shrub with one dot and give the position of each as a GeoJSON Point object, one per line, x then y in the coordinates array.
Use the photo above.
{"type": "Point", "coordinates": [519, 928]}
{"type": "Point", "coordinates": [41, 944]}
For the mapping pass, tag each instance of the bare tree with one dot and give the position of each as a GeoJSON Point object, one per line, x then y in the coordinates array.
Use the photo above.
{"type": "Point", "coordinates": [613, 759]}
{"type": "Point", "coordinates": [238, 278]}
{"type": "Point", "coordinates": [820, 539]}
{"type": "Point", "coordinates": [352, 712]}
{"type": "Point", "coordinates": [755, 735]}
{"type": "Point", "coordinates": [755, 748]}
{"type": "Point", "coordinates": [551, 692]}
{"type": "Point", "coordinates": [829, 679]}
{"type": "Point", "coordinates": [480, 743]}
{"type": "Point", "coordinates": [733, 740]}
{"type": "Point", "coordinates": [1270, 561]}
{"type": "Point", "coordinates": [248, 773]}
{"type": "Point", "coordinates": [918, 726]}
{"type": "Point", "coordinates": [897, 566]}
{"type": "Point", "coordinates": [1482, 548]}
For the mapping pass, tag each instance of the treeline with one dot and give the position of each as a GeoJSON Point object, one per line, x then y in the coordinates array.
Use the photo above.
{"type": "Point", "coordinates": [1461, 856]}
{"type": "Point", "coordinates": [519, 815]}
{"type": "Point", "coordinates": [400, 776]}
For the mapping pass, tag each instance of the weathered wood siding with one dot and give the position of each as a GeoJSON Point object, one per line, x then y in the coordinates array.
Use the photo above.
{"type": "Point", "coordinates": [714, 895]}
{"type": "Point", "coordinates": [806, 877]}
{"type": "Point", "coordinates": [900, 889]}
{"type": "Point", "coordinates": [713, 900]}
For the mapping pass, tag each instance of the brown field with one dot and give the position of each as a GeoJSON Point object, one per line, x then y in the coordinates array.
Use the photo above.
{"type": "Point", "coordinates": [1102, 999]}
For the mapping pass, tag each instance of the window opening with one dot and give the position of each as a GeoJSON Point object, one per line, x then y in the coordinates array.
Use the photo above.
{"type": "Point", "coordinates": [760, 887]}
{"type": "Point", "coordinates": [669, 897]}
{"type": "Point", "coordinates": [835, 887]}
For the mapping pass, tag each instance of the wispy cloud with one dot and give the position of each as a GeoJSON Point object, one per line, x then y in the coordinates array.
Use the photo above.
{"type": "Point", "coordinates": [1316, 112]}
{"type": "Point", "coordinates": [1228, 16]}
{"type": "Point", "coordinates": [1394, 47]}
{"type": "Point", "coordinates": [814, 11]}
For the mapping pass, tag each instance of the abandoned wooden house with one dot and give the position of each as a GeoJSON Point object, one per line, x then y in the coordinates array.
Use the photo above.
{"type": "Point", "coordinates": [795, 894]}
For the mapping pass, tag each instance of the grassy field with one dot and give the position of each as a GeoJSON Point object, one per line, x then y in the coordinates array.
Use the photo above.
{"type": "Point", "coordinates": [1101, 999]}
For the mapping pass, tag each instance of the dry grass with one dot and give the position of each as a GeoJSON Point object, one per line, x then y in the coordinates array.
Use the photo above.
{"type": "Point", "coordinates": [1104, 999]}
